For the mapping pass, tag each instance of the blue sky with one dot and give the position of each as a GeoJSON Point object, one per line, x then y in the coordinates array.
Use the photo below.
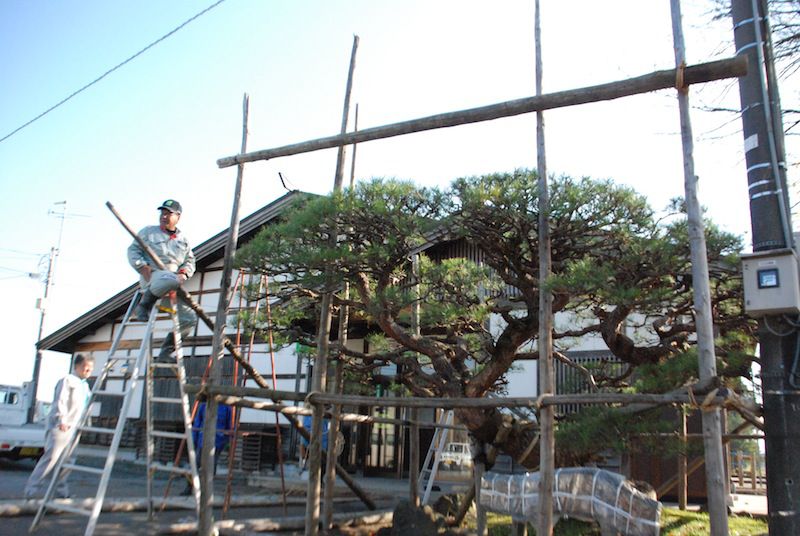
{"type": "Point", "coordinates": [154, 128]}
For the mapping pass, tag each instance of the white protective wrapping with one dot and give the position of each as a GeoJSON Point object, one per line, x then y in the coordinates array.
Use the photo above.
{"type": "Point", "coordinates": [584, 493]}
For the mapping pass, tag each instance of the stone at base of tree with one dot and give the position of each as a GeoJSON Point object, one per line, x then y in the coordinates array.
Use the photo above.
{"type": "Point", "coordinates": [417, 521]}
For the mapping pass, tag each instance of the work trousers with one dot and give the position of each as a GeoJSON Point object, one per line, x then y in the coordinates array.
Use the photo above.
{"type": "Point", "coordinates": [55, 443]}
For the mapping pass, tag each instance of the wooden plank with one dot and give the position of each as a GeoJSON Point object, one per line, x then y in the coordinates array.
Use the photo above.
{"type": "Point", "coordinates": [695, 74]}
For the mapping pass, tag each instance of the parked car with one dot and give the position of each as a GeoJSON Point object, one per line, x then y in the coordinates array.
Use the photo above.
{"type": "Point", "coordinates": [456, 455]}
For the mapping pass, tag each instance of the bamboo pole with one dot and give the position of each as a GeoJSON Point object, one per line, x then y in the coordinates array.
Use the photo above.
{"type": "Point", "coordinates": [205, 526]}
{"type": "Point", "coordinates": [695, 74]}
{"type": "Point", "coordinates": [712, 429]}
{"type": "Point", "coordinates": [547, 441]}
{"type": "Point", "coordinates": [323, 336]}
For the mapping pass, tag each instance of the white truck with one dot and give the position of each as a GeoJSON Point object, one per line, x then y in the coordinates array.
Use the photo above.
{"type": "Point", "coordinates": [18, 438]}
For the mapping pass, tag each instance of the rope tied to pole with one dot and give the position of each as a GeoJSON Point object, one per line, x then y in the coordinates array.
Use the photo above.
{"type": "Point", "coordinates": [680, 78]}
{"type": "Point", "coordinates": [308, 399]}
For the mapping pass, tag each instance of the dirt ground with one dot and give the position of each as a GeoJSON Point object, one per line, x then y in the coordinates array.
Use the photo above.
{"type": "Point", "coordinates": [128, 484]}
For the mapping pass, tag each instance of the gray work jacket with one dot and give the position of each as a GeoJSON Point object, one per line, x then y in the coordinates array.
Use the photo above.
{"type": "Point", "coordinates": [173, 250]}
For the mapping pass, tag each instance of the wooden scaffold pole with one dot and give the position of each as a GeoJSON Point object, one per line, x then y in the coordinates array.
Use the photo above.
{"type": "Point", "coordinates": [712, 429]}
{"type": "Point", "coordinates": [547, 442]}
{"type": "Point", "coordinates": [205, 526]}
{"type": "Point", "coordinates": [323, 335]}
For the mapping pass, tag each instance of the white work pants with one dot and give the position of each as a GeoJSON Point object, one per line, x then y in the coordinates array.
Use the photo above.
{"type": "Point", "coordinates": [55, 443]}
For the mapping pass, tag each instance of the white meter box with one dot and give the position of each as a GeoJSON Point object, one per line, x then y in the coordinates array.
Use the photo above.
{"type": "Point", "coordinates": [771, 282]}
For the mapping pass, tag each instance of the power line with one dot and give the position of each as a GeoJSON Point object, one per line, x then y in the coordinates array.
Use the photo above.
{"type": "Point", "coordinates": [108, 72]}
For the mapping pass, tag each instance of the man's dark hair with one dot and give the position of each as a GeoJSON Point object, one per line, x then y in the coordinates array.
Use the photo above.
{"type": "Point", "coordinates": [80, 358]}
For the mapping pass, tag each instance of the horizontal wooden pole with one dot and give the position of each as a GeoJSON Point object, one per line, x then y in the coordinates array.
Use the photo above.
{"type": "Point", "coordinates": [694, 74]}
{"type": "Point", "coordinates": [357, 418]}
{"type": "Point", "coordinates": [453, 403]}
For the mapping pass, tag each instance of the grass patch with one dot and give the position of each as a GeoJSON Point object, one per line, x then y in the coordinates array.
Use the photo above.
{"type": "Point", "coordinates": [674, 522]}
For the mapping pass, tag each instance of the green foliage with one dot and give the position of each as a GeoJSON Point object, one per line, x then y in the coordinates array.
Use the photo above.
{"type": "Point", "coordinates": [615, 265]}
{"type": "Point", "coordinates": [597, 428]}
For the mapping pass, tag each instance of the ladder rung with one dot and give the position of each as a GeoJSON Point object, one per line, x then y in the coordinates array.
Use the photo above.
{"type": "Point", "coordinates": [164, 365]}
{"type": "Point", "coordinates": [67, 508]}
{"type": "Point", "coordinates": [167, 400]}
{"type": "Point", "coordinates": [108, 393]}
{"type": "Point", "coordinates": [122, 377]}
{"type": "Point", "coordinates": [171, 435]}
{"type": "Point", "coordinates": [171, 469]}
{"type": "Point", "coordinates": [83, 468]}
{"type": "Point", "coordinates": [123, 358]}
{"type": "Point", "coordinates": [97, 430]}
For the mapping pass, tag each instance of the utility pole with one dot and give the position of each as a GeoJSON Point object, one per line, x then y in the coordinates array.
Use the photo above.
{"type": "Point", "coordinates": [48, 282]}
{"type": "Point", "coordinates": [771, 226]}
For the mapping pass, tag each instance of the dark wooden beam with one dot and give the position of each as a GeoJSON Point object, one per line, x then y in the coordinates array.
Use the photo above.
{"type": "Point", "coordinates": [695, 74]}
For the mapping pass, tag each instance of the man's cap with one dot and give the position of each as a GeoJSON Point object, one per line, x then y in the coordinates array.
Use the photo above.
{"type": "Point", "coordinates": [172, 206]}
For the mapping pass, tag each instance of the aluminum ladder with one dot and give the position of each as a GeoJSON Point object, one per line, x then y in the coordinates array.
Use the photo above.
{"type": "Point", "coordinates": [141, 362]}
{"type": "Point", "coordinates": [434, 457]}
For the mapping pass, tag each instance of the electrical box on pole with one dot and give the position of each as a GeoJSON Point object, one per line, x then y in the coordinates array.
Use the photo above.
{"type": "Point", "coordinates": [771, 282]}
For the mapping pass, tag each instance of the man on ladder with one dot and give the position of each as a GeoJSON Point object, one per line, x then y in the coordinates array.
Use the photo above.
{"type": "Point", "coordinates": [162, 246]}
{"type": "Point", "coordinates": [171, 246]}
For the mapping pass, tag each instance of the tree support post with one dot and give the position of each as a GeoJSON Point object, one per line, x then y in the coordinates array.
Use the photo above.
{"type": "Point", "coordinates": [205, 525]}
{"type": "Point", "coordinates": [477, 471]}
{"type": "Point", "coordinates": [683, 462]}
{"type": "Point", "coordinates": [712, 428]}
{"type": "Point", "coordinates": [323, 335]}
{"type": "Point", "coordinates": [547, 442]}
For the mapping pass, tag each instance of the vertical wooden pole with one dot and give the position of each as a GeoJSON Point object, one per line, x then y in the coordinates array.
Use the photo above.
{"type": "Point", "coordinates": [545, 343]}
{"type": "Point", "coordinates": [712, 428]}
{"type": "Point", "coordinates": [355, 146]}
{"type": "Point", "coordinates": [478, 470]}
{"type": "Point", "coordinates": [682, 462]}
{"type": "Point", "coordinates": [726, 456]}
{"type": "Point", "coordinates": [206, 523]}
{"type": "Point", "coordinates": [335, 387]}
{"type": "Point", "coordinates": [413, 443]}
{"type": "Point", "coordinates": [740, 468]}
{"type": "Point", "coordinates": [321, 363]}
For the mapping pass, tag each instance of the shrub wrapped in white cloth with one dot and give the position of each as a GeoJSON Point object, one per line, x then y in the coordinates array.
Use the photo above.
{"type": "Point", "coordinates": [583, 493]}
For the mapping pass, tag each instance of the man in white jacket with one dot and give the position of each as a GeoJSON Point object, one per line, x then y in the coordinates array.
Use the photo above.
{"type": "Point", "coordinates": [69, 400]}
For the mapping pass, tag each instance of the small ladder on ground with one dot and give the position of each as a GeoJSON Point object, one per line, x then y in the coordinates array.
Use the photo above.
{"type": "Point", "coordinates": [142, 361]}
{"type": "Point", "coordinates": [434, 457]}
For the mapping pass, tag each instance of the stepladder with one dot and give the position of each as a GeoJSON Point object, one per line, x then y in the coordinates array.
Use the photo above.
{"type": "Point", "coordinates": [117, 384]}
{"type": "Point", "coordinates": [433, 458]}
